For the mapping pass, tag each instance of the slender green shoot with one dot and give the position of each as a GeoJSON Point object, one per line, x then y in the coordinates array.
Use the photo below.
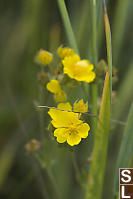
{"type": "Point", "coordinates": [94, 60]}
{"type": "Point", "coordinates": [67, 25]}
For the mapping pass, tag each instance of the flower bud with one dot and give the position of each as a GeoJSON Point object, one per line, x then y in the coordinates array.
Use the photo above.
{"type": "Point", "coordinates": [44, 57]}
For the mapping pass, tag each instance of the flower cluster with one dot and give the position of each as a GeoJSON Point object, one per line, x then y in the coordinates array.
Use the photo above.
{"type": "Point", "coordinates": [73, 65]}
{"type": "Point", "coordinates": [67, 121]}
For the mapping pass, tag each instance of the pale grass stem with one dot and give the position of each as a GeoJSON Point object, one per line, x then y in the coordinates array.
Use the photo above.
{"type": "Point", "coordinates": [85, 113]}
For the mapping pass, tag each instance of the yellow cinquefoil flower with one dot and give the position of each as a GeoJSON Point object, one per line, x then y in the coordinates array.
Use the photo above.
{"type": "Point", "coordinates": [54, 87]}
{"type": "Point", "coordinates": [80, 106]}
{"type": "Point", "coordinates": [44, 57]}
{"type": "Point", "coordinates": [78, 69]}
{"type": "Point", "coordinates": [64, 52]}
{"type": "Point", "coordinates": [68, 126]}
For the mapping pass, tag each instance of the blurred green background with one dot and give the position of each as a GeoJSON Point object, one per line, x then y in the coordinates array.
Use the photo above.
{"type": "Point", "coordinates": [27, 26]}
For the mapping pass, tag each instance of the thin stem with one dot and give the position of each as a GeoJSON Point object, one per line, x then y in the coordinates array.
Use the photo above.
{"type": "Point", "coordinates": [50, 176]}
{"type": "Point", "coordinates": [58, 196]}
{"type": "Point", "coordinates": [67, 25]}
{"type": "Point", "coordinates": [94, 56]}
{"type": "Point", "coordinates": [78, 174]}
{"type": "Point", "coordinates": [41, 114]}
{"type": "Point", "coordinates": [50, 107]}
{"type": "Point", "coordinates": [84, 113]}
{"type": "Point", "coordinates": [94, 106]}
{"type": "Point", "coordinates": [94, 32]}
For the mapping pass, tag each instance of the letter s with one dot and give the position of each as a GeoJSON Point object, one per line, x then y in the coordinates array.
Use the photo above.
{"type": "Point", "coordinates": [123, 173]}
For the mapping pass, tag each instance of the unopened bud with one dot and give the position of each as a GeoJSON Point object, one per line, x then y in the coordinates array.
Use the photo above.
{"type": "Point", "coordinates": [33, 146]}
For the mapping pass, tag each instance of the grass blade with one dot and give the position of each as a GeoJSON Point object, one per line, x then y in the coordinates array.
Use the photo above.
{"type": "Point", "coordinates": [120, 17]}
{"type": "Point", "coordinates": [120, 109]}
{"type": "Point", "coordinates": [126, 148]}
{"type": "Point", "coordinates": [97, 169]}
{"type": "Point", "coordinates": [94, 61]}
{"type": "Point", "coordinates": [108, 44]}
{"type": "Point", "coordinates": [67, 25]}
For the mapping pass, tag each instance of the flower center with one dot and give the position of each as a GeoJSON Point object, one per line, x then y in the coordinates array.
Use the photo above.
{"type": "Point", "coordinates": [72, 130]}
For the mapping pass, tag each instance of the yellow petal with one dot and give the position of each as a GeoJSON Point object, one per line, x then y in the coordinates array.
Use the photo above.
{"type": "Point", "coordinates": [57, 114]}
{"type": "Point", "coordinates": [83, 64]}
{"type": "Point", "coordinates": [90, 77]}
{"type": "Point", "coordinates": [91, 67]}
{"type": "Point", "coordinates": [73, 139]}
{"type": "Point", "coordinates": [69, 63]}
{"type": "Point", "coordinates": [81, 70]}
{"type": "Point", "coordinates": [80, 106]}
{"type": "Point", "coordinates": [54, 86]}
{"type": "Point", "coordinates": [63, 118]}
{"type": "Point", "coordinates": [83, 130]}
{"type": "Point", "coordinates": [61, 135]}
{"type": "Point", "coordinates": [65, 106]}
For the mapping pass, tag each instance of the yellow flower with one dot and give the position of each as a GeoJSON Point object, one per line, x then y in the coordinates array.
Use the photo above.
{"type": "Point", "coordinates": [64, 52]}
{"type": "Point", "coordinates": [78, 69]}
{"type": "Point", "coordinates": [80, 106]}
{"type": "Point", "coordinates": [54, 87]}
{"type": "Point", "coordinates": [68, 126]}
{"type": "Point", "coordinates": [44, 57]}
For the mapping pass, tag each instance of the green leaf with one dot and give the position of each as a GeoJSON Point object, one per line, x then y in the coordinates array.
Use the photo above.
{"type": "Point", "coordinates": [97, 170]}
{"type": "Point", "coordinates": [126, 149]}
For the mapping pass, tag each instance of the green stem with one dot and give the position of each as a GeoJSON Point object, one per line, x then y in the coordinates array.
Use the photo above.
{"type": "Point", "coordinates": [94, 106]}
{"type": "Point", "coordinates": [94, 32]}
{"type": "Point", "coordinates": [67, 24]}
{"type": "Point", "coordinates": [48, 171]}
{"type": "Point", "coordinates": [57, 193]}
{"type": "Point", "coordinates": [41, 114]}
{"type": "Point", "coordinates": [95, 58]}
{"type": "Point", "coordinates": [78, 174]}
